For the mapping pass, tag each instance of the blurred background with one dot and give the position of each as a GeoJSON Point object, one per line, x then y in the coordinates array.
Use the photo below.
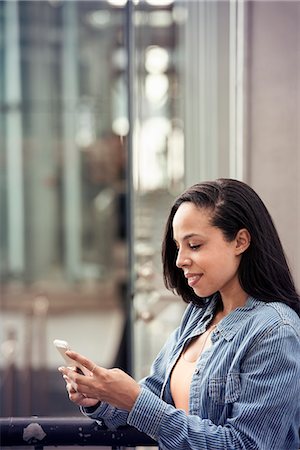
{"type": "Point", "coordinates": [108, 109]}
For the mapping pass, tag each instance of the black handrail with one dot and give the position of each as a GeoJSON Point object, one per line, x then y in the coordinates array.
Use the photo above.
{"type": "Point", "coordinates": [41, 432]}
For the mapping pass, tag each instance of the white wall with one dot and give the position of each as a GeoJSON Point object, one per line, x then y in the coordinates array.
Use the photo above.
{"type": "Point", "coordinates": [272, 111]}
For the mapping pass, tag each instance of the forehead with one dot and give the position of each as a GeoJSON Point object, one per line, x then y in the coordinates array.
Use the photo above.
{"type": "Point", "coordinates": [191, 218]}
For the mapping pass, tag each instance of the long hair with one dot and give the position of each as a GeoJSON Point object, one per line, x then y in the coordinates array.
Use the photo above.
{"type": "Point", "coordinates": [263, 271]}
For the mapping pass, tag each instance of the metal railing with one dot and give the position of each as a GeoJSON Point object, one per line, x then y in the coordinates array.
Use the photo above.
{"type": "Point", "coordinates": [40, 432]}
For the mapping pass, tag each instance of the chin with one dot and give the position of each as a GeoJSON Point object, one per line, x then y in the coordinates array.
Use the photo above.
{"type": "Point", "coordinates": [203, 294]}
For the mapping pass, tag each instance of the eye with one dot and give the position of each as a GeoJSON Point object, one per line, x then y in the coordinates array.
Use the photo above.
{"type": "Point", "coordinates": [194, 247]}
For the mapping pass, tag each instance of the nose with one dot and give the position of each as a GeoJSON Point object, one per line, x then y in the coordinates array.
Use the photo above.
{"type": "Point", "coordinates": [182, 260]}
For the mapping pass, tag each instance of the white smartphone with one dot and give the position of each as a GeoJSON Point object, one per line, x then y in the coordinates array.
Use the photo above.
{"type": "Point", "coordinates": [62, 347]}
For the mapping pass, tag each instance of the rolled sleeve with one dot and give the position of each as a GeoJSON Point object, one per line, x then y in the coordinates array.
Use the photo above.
{"type": "Point", "coordinates": [147, 413]}
{"type": "Point", "coordinates": [111, 416]}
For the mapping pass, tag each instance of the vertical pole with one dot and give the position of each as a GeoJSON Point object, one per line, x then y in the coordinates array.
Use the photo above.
{"type": "Point", "coordinates": [236, 88]}
{"type": "Point", "coordinates": [201, 91]}
{"type": "Point", "coordinates": [129, 41]}
{"type": "Point", "coordinates": [14, 140]}
{"type": "Point", "coordinates": [71, 163]}
{"type": "Point", "coordinates": [240, 101]}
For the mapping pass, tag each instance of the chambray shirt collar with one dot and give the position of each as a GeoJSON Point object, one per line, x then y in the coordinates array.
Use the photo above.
{"type": "Point", "coordinates": [229, 326]}
{"type": "Point", "coordinates": [202, 319]}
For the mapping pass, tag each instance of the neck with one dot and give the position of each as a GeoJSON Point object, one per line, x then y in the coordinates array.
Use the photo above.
{"type": "Point", "coordinates": [232, 301]}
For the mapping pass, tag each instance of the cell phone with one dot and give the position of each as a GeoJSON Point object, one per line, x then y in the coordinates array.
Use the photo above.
{"type": "Point", "coordinates": [62, 347]}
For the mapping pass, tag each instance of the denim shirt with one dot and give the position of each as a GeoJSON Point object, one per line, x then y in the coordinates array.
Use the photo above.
{"type": "Point", "coordinates": [245, 390]}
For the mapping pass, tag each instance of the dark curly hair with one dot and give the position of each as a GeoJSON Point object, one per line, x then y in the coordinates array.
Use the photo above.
{"type": "Point", "coordinates": [263, 271]}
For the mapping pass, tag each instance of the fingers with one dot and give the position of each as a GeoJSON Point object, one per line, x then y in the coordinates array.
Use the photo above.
{"type": "Point", "coordinates": [85, 362]}
{"type": "Point", "coordinates": [110, 385]}
{"type": "Point", "coordinates": [75, 396]}
{"type": "Point", "coordinates": [69, 374]}
{"type": "Point", "coordinates": [79, 382]}
{"type": "Point", "coordinates": [71, 388]}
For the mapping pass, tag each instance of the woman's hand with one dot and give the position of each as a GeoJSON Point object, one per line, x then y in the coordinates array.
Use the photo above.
{"type": "Point", "coordinates": [75, 396]}
{"type": "Point", "coordinates": [109, 385]}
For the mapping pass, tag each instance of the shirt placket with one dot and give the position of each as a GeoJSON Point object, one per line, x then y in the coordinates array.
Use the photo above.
{"type": "Point", "coordinates": [196, 385]}
{"type": "Point", "coordinates": [196, 382]}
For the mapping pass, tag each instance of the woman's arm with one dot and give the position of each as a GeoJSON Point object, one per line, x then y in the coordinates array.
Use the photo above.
{"type": "Point", "coordinates": [109, 394]}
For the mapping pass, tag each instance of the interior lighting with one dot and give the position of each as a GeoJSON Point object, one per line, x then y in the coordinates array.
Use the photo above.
{"type": "Point", "coordinates": [157, 59]}
{"type": "Point", "coordinates": [155, 19]}
{"type": "Point", "coordinates": [160, 19]}
{"type": "Point", "coordinates": [140, 18]}
{"type": "Point", "coordinates": [85, 134]}
{"type": "Point", "coordinates": [117, 3]}
{"type": "Point", "coordinates": [120, 126]}
{"type": "Point", "coordinates": [99, 19]}
{"type": "Point", "coordinates": [119, 58]}
{"type": "Point", "coordinates": [175, 155]}
{"type": "Point", "coordinates": [156, 86]}
{"type": "Point", "coordinates": [160, 2]}
{"type": "Point", "coordinates": [179, 14]}
{"type": "Point", "coordinates": [152, 143]}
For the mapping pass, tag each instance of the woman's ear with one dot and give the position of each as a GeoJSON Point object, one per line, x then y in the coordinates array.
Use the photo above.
{"type": "Point", "coordinates": [242, 240]}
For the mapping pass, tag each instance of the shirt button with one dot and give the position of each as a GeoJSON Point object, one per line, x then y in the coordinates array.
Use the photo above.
{"type": "Point", "coordinates": [196, 370]}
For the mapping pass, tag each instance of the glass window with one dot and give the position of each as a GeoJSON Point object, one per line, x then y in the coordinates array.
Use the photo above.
{"type": "Point", "coordinates": [158, 168]}
{"type": "Point", "coordinates": [63, 243]}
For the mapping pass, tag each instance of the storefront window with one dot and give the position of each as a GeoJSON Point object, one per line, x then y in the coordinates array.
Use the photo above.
{"type": "Point", "coordinates": [63, 187]}
{"type": "Point", "coordinates": [158, 168]}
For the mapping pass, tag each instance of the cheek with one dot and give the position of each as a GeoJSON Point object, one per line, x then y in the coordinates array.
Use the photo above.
{"type": "Point", "coordinates": [222, 261]}
{"type": "Point", "coordinates": [229, 266]}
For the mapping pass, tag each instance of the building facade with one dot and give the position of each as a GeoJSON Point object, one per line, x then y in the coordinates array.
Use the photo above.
{"type": "Point", "coordinates": [108, 110]}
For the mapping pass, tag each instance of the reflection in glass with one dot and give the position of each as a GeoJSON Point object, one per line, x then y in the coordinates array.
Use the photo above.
{"type": "Point", "coordinates": [63, 247]}
{"type": "Point", "coordinates": [157, 59]}
{"type": "Point", "coordinates": [158, 169]}
{"type": "Point", "coordinates": [156, 87]}
{"type": "Point", "coordinates": [119, 3]}
{"type": "Point", "coordinates": [160, 2]}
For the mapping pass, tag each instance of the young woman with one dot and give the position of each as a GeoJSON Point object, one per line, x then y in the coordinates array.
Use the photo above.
{"type": "Point", "coordinates": [229, 376]}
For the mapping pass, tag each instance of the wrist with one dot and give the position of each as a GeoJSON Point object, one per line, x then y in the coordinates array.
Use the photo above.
{"type": "Point", "coordinates": [91, 409]}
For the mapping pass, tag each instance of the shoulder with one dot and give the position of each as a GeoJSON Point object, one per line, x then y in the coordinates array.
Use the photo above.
{"type": "Point", "coordinates": [257, 319]}
{"type": "Point", "coordinates": [277, 314]}
{"type": "Point", "coordinates": [274, 326]}
{"type": "Point", "coordinates": [272, 334]}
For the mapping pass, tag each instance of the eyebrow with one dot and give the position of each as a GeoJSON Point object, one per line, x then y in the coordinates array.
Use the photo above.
{"type": "Point", "coordinates": [190, 235]}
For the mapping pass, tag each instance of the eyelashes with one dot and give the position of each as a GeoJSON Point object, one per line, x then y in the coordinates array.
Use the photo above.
{"type": "Point", "coordinates": [192, 247]}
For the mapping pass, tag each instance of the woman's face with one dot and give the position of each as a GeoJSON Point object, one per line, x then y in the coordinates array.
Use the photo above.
{"type": "Point", "coordinates": [209, 262]}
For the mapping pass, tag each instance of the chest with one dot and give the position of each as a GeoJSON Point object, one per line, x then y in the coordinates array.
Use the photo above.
{"type": "Point", "coordinates": [206, 382]}
{"type": "Point", "coordinates": [184, 368]}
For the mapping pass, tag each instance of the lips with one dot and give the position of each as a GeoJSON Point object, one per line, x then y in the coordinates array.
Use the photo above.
{"type": "Point", "coordinates": [193, 279]}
